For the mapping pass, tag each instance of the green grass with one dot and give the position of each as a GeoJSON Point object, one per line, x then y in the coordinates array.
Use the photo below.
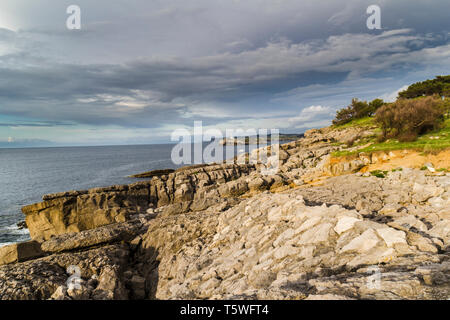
{"type": "Point", "coordinates": [363, 122]}
{"type": "Point", "coordinates": [379, 174]}
{"type": "Point", "coordinates": [424, 143]}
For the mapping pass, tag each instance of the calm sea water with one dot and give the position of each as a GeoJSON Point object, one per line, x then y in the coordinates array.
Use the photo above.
{"type": "Point", "coordinates": [28, 174]}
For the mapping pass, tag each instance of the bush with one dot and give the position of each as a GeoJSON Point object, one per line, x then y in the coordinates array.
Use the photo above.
{"type": "Point", "coordinates": [343, 116]}
{"type": "Point", "coordinates": [406, 119]}
{"type": "Point", "coordinates": [379, 174]}
{"type": "Point", "coordinates": [373, 107]}
{"type": "Point", "coordinates": [446, 106]}
{"type": "Point", "coordinates": [357, 110]}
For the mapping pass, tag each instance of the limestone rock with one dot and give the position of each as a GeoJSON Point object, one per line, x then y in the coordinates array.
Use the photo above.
{"type": "Point", "coordinates": [228, 231]}
{"type": "Point", "coordinates": [363, 243]}
{"type": "Point", "coordinates": [442, 231]}
{"type": "Point", "coordinates": [41, 278]}
{"type": "Point", "coordinates": [60, 294]}
{"type": "Point", "coordinates": [103, 235]}
{"type": "Point", "coordinates": [327, 297]}
{"type": "Point", "coordinates": [345, 223]}
{"type": "Point", "coordinates": [422, 193]}
{"type": "Point", "coordinates": [422, 243]}
{"type": "Point", "coordinates": [391, 236]}
{"type": "Point", "coordinates": [78, 293]}
{"type": "Point", "coordinates": [20, 252]}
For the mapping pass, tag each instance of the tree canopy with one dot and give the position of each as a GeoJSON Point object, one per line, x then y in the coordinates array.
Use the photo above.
{"type": "Point", "coordinates": [357, 110]}
{"type": "Point", "coordinates": [440, 86]}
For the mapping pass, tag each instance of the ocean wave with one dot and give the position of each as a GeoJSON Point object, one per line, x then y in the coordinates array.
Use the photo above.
{"type": "Point", "coordinates": [14, 230]}
{"type": "Point", "coordinates": [2, 244]}
{"type": "Point", "coordinates": [14, 238]}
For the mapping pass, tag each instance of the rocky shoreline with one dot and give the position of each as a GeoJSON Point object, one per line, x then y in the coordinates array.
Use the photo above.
{"type": "Point", "coordinates": [319, 229]}
{"type": "Point", "coordinates": [255, 140]}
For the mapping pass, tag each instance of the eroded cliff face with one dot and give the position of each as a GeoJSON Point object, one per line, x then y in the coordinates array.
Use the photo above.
{"type": "Point", "coordinates": [76, 211]}
{"type": "Point", "coordinates": [226, 231]}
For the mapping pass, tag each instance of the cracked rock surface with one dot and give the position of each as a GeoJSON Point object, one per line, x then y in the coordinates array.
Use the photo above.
{"type": "Point", "coordinates": [225, 231]}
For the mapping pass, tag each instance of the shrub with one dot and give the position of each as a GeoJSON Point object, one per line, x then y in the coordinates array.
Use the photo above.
{"type": "Point", "coordinates": [406, 119]}
{"type": "Point", "coordinates": [343, 116]}
{"type": "Point", "coordinates": [379, 174]}
{"type": "Point", "coordinates": [446, 106]}
{"type": "Point", "coordinates": [373, 107]}
{"type": "Point", "coordinates": [357, 110]}
{"type": "Point", "coordinates": [351, 141]}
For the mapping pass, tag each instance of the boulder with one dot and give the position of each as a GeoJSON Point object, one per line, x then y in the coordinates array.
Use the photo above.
{"type": "Point", "coordinates": [405, 223]}
{"type": "Point", "coordinates": [392, 236]}
{"type": "Point", "coordinates": [345, 223]}
{"type": "Point", "coordinates": [154, 173]}
{"type": "Point", "coordinates": [363, 243]}
{"type": "Point", "coordinates": [422, 193]}
{"type": "Point", "coordinates": [60, 294]}
{"type": "Point", "coordinates": [78, 292]}
{"type": "Point", "coordinates": [20, 252]}
{"type": "Point", "coordinates": [441, 230]}
{"type": "Point", "coordinates": [257, 184]}
{"type": "Point", "coordinates": [422, 243]}
{"type": "Point", "coordinates": [89, 238]}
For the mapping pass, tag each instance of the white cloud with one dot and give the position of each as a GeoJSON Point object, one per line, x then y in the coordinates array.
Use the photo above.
{"type": "Point", "coordinates": [391, 97]}
{"type": "Point", "coordinates": [316, 110]}
{"type": "Point", "coordinates": [308, 115]}
{"type": "Point", "coordinates": [151, 92]}
{"type": "Point", "coordinates": [158, 64]}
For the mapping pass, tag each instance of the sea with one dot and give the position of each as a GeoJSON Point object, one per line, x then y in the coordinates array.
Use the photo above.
{"type": "Point", "coordinates": [29, 173]}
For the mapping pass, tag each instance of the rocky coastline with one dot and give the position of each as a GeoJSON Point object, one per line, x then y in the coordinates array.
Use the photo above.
{"type": "Point", "coordinates": [320, 228]}
{"type": "Point", "coordinates": [261, 140]}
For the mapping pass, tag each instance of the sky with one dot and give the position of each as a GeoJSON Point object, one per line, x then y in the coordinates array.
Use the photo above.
{"type": "Point", "coordinates": [139, 69]}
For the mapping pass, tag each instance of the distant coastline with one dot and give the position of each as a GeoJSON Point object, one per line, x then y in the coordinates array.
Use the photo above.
{"type": "Point", "coordinates": [254, 140]}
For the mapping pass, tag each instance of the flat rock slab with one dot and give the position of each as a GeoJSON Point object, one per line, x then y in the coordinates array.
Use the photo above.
{"type": "Point", "coordinates": [20, 252]}
{"type": "Point", "coordinates": [363, 243]}
{"type": "Point", "coordinates": [154, 173]}
{"type": "Point", "coordinates": [392, 236]}
{"type": "Point", "coordinates": [103, 235]}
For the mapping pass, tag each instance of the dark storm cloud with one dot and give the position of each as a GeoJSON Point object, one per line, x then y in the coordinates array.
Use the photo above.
{"type": "Point", "coordinates": [145, 64]}
{"type": "Point", "coordinates": [35, 124]}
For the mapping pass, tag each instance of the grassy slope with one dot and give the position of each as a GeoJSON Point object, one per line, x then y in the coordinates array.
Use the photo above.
{"type": "Point", "coordinates": [363, 122]}
{"type": "Point", "coordinates": [424, 143]}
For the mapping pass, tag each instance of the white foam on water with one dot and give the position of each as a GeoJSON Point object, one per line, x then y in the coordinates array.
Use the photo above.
{"type": "Point", "coordinates": [14, 230]}
{"type": "Point", "coordinates": [2, 244]}
{"type": "Point", "coordinates": [13, 235]}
